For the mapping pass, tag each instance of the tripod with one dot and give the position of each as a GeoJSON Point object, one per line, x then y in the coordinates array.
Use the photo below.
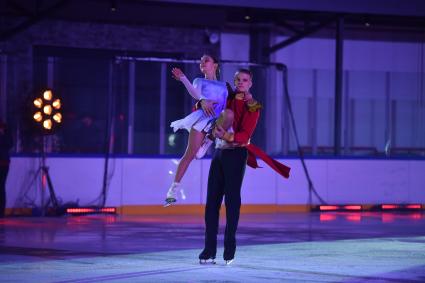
{"type": "Point", "coordinates": [46, 181]}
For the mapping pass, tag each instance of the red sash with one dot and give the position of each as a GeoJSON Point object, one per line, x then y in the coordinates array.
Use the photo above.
{"type": "Point", "coordinates": [254, 151]}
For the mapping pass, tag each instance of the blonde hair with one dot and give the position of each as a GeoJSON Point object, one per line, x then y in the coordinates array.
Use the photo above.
{"type": "Point", "coordinates": [243, 71]}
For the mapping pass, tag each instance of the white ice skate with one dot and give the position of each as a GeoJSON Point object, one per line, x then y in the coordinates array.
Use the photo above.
{"type": "Point", "coordinates": [206, 143]}
{"type": "Point", "coordinates": [172, 194]}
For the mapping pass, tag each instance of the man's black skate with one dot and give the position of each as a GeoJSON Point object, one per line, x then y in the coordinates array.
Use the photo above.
{"type": "Point", "coordinates": [229, 255]}
{"type": "Point", "coordinates": [206, 257]}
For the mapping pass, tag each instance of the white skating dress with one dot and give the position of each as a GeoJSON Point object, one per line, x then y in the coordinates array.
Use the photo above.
{"type": "Point", "coordinates": [209, 89]}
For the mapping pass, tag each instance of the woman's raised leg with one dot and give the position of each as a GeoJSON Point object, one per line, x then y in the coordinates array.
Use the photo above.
{"type": "Point", "coordinates": [194, 142]}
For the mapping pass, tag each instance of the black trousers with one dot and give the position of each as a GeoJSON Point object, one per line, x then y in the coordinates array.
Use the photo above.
{"type": "Point", "coordinates": [224, 180]}
{"type": "Point", "coordinates": [3, 175]}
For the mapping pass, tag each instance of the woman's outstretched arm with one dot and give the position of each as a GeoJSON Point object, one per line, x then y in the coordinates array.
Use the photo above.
{"type": "Point", "coordinates": [180, 76]}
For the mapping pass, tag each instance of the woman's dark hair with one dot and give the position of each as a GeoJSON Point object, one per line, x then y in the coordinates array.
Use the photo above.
{"type": "Point", "coordinates": [215, 58]}
{"type": "Point", "coordinates": [216, 61]}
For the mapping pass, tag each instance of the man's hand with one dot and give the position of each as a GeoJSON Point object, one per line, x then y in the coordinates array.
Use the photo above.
{"type": "Point", "coordinates": [208, 107]}
{"type": "Point", "coordinates": [247, 96]}
{"type": "Point", "coordinates": [177, 73]}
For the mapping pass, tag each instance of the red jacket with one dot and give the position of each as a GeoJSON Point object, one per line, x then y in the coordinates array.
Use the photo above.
{"type": "Point", "coordinates": [246, 115]}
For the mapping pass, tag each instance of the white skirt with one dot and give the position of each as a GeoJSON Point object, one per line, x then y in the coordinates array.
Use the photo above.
{"type": "Point", "coordinates": [197, 120]}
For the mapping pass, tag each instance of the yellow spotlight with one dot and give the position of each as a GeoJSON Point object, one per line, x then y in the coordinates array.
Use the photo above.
{"type": "Point", "coordinates": [38, 116]}
{"type": "Point", "coordinates": [57, 117]}
{"type": "Point", "coordinates": [57, 104]}
{"type": "Point", "coordinates": [38, 102]}
{"type": "Point", "coordinates": [47, 109]}
{"type": "Point", "coordinates": [47, 124]}
{"type": "Point", "coordinates": [48, 95]}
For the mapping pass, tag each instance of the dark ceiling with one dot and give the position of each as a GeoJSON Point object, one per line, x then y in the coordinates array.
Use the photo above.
{"type": "Point", "coordinates": [396, 19]}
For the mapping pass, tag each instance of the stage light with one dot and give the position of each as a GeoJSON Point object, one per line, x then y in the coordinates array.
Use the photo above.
{"type": "Point", "coordinates": [113, 5]}
{"type": "Point", "coordinates": [47, 109]}
{"type": "Point", "coordinates": [47, 94]}
{"type": "Point", "coordinates": [214, 38]}
{"type": "Point", "coordinates": [57, 104]}
{"type": "Point", "coordinates": [172, 140]}
{"type": "Point", "coordinates": [50, 115]}
{"type": "Point", "coordinates": [57, 117]}
{"type": "Point", "coordinates": [38, 116]}
{"type": "Point", "coordinates": [47, 124]}
{"type": "Point", "coordinates": [38, 102]}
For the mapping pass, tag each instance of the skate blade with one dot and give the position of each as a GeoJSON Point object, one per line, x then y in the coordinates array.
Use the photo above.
{"type": "Point", "coordinates": [207, 261]}
{"type": "Point", "coordinates": [169, 201]}
{"type": "Point", "coordinates": [228, 262]}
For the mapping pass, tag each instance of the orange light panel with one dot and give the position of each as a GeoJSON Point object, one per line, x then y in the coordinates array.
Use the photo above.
{"type": "Point", "coordinates": [108, 209]}
{"type": "Point", "coordinates": [328, 207]}
{"type": "Point", "coordinates": [389, 206]}
{"type": "Point", "coordinates": [85, 210]}
{"type": "Point", "coordinates": [413, 206]}
{"type": "Point", "coordinates": [79, 210]}
{"type": "Point", "coordinates": [353, 207]}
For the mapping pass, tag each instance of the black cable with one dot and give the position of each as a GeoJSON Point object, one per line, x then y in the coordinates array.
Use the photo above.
{"type": "Point", "coordinates": [100, 200]}
{"type": "Point", "coordinates": [109, 133]}
{"type": "Point", "coordinates": [311, 188]}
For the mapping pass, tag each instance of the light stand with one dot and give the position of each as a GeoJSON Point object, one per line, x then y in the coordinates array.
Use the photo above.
{"type": "Point", "coordinates": [46, 180]}
{"type": "Point", "coordinates": [47, 114]}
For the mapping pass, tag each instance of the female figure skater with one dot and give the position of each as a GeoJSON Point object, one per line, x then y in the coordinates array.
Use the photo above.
{"type": "Point", "coordinates": [199, 122]}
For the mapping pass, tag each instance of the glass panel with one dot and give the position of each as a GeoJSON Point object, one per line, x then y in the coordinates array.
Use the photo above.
{"type": "Point", "coordinates": [408, 112]}
{"type": "Point", "coordinates": [366, 99]}
{"type": "Point", "coordinates": [83, 86]}
{"type": "Point", "coordinates": [146, 126]}
{"type": "Point", "coordinates": [324, 127]}
{"type": "Point", "coordinates": [383, 112]}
